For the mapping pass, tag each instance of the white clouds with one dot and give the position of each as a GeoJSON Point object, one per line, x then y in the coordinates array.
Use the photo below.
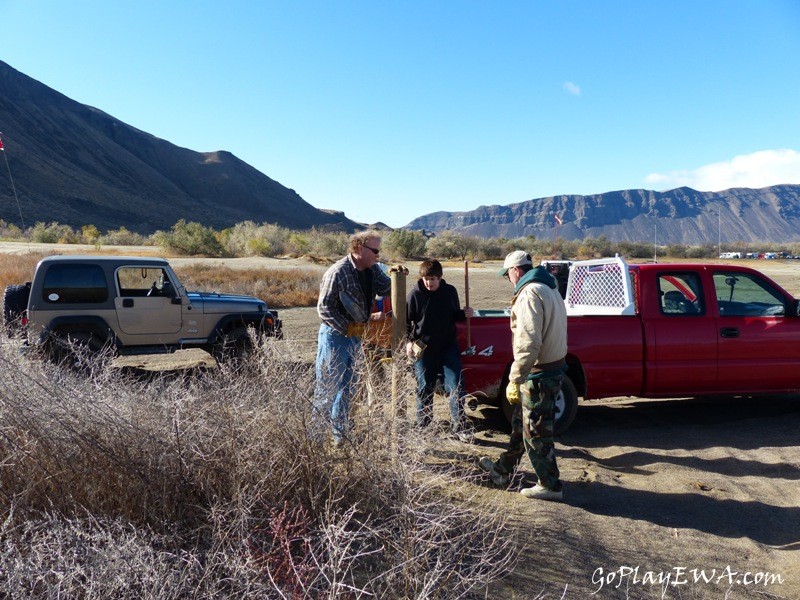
{"type": "Point", "coordinates": [572, 88]}
{"type": "Point", "coordinates": [756, 170]}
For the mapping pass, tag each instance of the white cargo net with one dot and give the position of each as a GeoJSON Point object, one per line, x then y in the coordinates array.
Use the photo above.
{"type": "Point", "coordinates": [599, 287]}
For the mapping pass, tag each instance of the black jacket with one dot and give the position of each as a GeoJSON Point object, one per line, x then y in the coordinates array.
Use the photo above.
{"type": "Point", "coordinates": [432, 316]}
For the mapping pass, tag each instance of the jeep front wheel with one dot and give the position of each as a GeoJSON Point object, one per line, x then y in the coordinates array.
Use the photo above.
{"type": "Point", "coordinates": [234, 345]}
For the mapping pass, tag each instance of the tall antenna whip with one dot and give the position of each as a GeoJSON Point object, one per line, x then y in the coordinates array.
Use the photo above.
{"type": "Point", "coordinates": [11, 179]}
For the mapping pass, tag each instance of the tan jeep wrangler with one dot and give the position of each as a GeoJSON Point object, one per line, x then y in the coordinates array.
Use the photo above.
{"type": "Point", "coordinates": [131, 305]}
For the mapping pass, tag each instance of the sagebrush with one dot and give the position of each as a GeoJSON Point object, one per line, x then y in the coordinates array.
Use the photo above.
{"type": "Point", "coordinates": [205, 484]}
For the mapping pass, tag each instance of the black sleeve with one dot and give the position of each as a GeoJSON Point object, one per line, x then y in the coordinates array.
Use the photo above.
{"type": "Point", "coordinates": [411, 307]}
{"type": "Point", "coordinates": [458, 313]}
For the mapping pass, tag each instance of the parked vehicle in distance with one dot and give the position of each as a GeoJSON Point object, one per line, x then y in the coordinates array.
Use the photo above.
{"type": "Point", "coordinates": [655, 331]}
{"type": "Point", "coordinates": [130, 305]}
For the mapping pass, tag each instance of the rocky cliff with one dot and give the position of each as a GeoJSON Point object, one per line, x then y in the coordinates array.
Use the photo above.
{"type": "Point", "coordinates": [679, 216]}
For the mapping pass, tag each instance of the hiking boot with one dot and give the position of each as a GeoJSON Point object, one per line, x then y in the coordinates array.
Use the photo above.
{"type": "Point", "coordinates": [496, 477]}
{"type": "Point", "coordinates": [540, 492]}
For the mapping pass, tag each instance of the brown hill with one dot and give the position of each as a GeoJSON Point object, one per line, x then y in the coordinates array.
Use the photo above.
{"type": "Point", "coordinates": [77, 165]}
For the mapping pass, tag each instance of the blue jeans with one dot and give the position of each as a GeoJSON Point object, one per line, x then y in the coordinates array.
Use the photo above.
{"type": "Point", "coordinates": [338, 358]}
{"type": "Point", "coordinates": [427, 368]}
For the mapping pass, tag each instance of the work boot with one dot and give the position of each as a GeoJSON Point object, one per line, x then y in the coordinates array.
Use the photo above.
{"type": "Point", "coordinates": [496, 477]}
{"type": "Point", "coordinates": [539, 492]}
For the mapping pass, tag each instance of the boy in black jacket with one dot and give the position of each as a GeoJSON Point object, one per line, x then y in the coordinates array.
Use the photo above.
{"type": "Point", "coordinates": [432, 312]}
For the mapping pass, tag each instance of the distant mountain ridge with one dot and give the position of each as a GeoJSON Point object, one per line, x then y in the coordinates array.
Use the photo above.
{"type": "Point", "coordinates": [76, 165]}
{"type": "Point", "coordinates": [679, 216]}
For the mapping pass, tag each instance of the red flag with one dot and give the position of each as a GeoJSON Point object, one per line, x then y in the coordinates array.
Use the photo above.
{"type": "Point", "coordinates": [1, 145]}
{"type": "Point", "coordinates": [558, 220]}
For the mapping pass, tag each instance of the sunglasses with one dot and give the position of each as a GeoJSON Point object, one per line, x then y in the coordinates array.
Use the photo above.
{"type": "Point", "coordinates": [374, 250]}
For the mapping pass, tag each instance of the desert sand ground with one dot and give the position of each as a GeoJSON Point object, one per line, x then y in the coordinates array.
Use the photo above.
{"type": "Point", "coordinates": [663, 498]}
{"type": "Point", "coordinates": [702, 492]}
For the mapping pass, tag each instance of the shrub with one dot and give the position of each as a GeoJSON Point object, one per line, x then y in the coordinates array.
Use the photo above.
{"type": "Point", "coordinates": [90, 234]}
{"type": "Point", "coordinates": [208, 484]}
{"type": "Point", "coordinates": [123, 237]}
{"type": "Point", "coordinates": [405, 243]}
{"type": "Point", "coordinates": [328, 244]}
{"type": "Point", "coordinates": [190, 239]}
{"type": "Point", "coordinates": [53, 233]}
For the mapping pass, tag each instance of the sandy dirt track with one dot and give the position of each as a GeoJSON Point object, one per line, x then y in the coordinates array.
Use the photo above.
{"type": "Point", "coordinates": [701, 495]}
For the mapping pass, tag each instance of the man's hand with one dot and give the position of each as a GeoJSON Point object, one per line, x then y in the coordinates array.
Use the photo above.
{"type": "Point", "coordinates": [512, 393]}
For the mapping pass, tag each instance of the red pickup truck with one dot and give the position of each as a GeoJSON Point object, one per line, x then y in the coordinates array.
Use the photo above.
{"type": "Point", "coordinates": [655, 331]}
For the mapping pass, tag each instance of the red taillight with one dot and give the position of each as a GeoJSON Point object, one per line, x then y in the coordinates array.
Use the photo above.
{"type": "Point", "coordinates": [24, 321]}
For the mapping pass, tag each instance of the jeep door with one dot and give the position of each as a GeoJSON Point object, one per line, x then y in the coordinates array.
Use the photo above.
{"type": "Point", "coordinates": [145, 303]}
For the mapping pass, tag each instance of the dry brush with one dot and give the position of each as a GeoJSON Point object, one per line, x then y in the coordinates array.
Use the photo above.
{"type": "Point", "coordinates": [206, 484]}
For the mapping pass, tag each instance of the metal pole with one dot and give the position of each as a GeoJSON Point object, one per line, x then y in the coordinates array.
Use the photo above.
{"type": "Point", "coordinates": [655, 242]}
{"type": "Point", "coordinates": [466, 301]}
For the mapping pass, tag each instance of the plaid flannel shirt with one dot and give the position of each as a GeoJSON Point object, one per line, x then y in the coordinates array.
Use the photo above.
{"type": "Point", "coordinates": [343, 276]}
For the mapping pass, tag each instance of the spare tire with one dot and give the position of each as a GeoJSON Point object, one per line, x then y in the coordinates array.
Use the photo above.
{"type": "Point", "coordinates": [15, 303]}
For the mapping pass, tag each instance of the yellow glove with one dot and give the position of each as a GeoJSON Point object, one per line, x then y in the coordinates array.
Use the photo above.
{"type": "Point", "coordinates": [512, 393]}
{"type": "Point", "coordinates": [355, 330]}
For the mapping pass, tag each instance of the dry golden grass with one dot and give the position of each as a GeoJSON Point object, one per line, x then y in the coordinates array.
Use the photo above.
{"type": "Point", "coordinates": [279, 288]}
{"type": "Point", "coordinates": [17, 268]}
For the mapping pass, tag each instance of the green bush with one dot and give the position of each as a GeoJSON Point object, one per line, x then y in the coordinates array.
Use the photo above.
{"type": "Point", "coordinates": [190, 239]}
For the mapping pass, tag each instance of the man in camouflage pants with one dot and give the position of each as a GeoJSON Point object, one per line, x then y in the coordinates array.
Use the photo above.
{"type": "Point", "coordinates": [539, 330]}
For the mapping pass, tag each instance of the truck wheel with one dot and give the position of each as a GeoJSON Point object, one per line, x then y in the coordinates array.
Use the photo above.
{"type": "Point", "coordinates": [236, 344]}
{"type": "Point", "coordinates": [15, 303]}
{"type": "Point", "coordinates": [80, 351]}
{"type": "Point", "coordinates": [566, 404]}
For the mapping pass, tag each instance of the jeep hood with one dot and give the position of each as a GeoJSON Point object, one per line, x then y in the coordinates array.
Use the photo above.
{"type": "Point", "coordinates": [211, 302]}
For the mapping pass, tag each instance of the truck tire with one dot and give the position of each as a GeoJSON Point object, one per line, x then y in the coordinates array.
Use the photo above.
{"type": "Point", "coordinates": [234, 345]}
{"type": "Point", "coordinates": [566, 404]}
{"type": "Point", "coordinates": [15, 303]}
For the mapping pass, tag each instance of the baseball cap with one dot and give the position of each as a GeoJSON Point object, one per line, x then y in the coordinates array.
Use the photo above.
{"type": "Point", "coordinates": [517, 258]}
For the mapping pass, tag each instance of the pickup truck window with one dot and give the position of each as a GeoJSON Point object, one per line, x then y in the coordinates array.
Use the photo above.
{"type": "Point", "coordinates": [680, 294]}
{"type": "Point", "coordinates": [74, 284]}
{"type": "Point", "coordinates": [745, 295]}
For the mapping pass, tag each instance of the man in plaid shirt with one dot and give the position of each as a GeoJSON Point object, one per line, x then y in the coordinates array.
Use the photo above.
{"type": "Point", "coordinates": [346, 294]}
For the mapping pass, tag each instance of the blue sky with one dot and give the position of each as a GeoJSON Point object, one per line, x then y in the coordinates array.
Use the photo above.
{"type": "Point", "coordinates": [390, 110]}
